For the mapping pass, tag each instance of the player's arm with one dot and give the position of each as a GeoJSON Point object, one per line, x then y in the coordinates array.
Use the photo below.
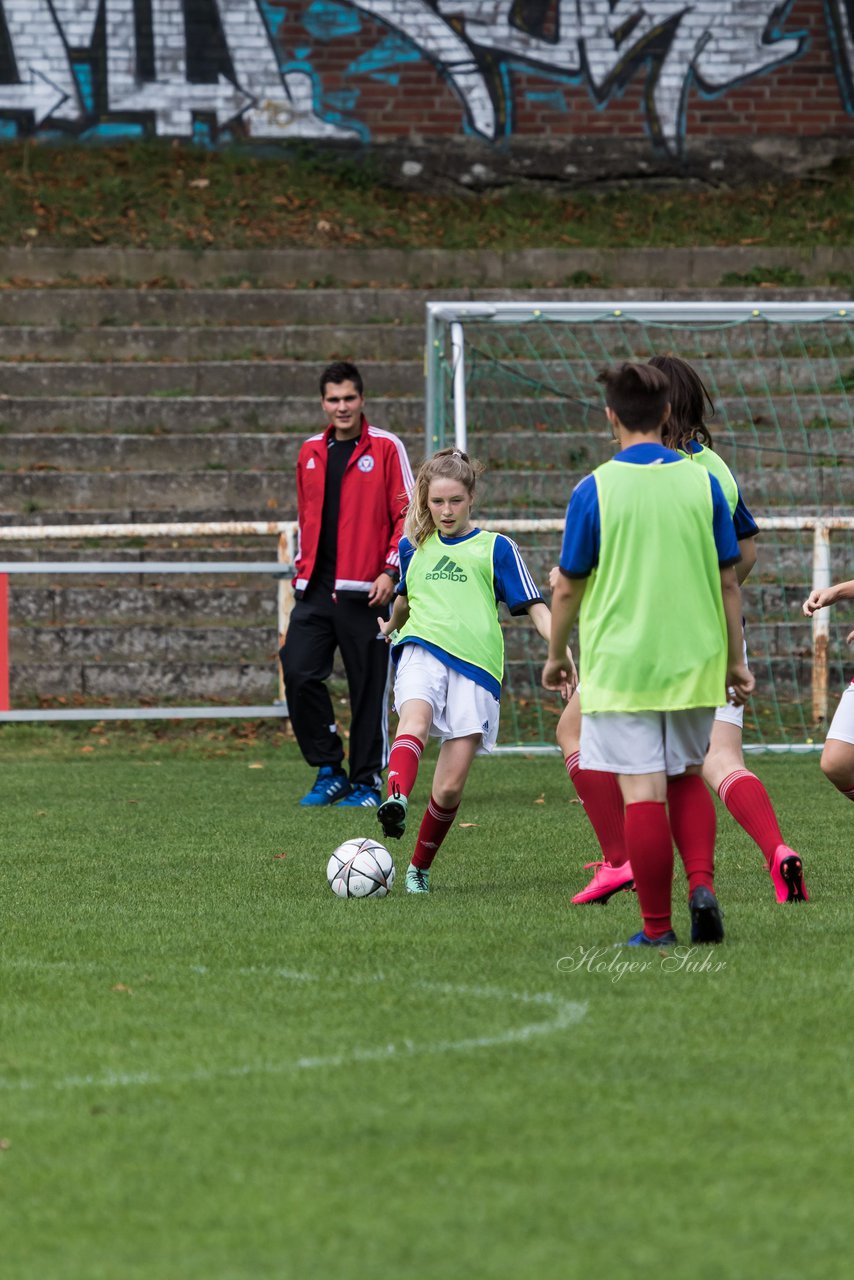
{"type": "Point", "coordinates": [541, 617]}
{"type": "Point", "coordinates": [740, 679]}
{"type": "Point", "coordinates": [566, 604]}
{"type": "Point", "coordinates": [400, 609]}
{"type": "Point", "coordinates": [399, 616]}
{"type": "Point", "coordinates": [515, 586]}
{"type": "Point", "coordinates": [821, 598]}
{"type": "Point", "coordinates": [579, 556]}
{"type": "Point", "coordinates": [747, 547]}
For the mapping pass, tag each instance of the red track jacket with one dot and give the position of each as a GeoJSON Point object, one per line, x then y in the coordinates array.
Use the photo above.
{"type": "Point", "coordinates": [375, 493]}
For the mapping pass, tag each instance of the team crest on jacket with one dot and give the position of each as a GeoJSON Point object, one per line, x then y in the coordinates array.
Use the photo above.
{"type": "Point", "coordinates": [366, 463]}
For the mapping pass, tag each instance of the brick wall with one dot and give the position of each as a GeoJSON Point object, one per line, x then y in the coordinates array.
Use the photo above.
{"type": "Point", "coordinates": [664, 79]}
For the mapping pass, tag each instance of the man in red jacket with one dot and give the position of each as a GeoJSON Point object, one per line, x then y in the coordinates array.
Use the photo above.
{"type": "Point", "coordinates": [354, 482]}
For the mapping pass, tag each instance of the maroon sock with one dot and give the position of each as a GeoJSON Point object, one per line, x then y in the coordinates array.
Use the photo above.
{"type": "Point", "coordinates": [750, 805]}
{"type": "Point", "coordinates": [403, 763]}
{"type": "Point", "coordinates": [603, 803]}
{"type": "Point", "coordinates": [435, 825]}
{"type": "Point", "coordinates": [650, 848]}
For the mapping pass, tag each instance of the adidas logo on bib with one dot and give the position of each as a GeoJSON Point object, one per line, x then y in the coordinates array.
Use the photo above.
{"type": "Point", "coordinates": [448, 571]}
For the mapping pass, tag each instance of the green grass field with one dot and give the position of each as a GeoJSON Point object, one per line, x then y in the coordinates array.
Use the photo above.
{"type": "Point", "coordinates": [212, 1069]}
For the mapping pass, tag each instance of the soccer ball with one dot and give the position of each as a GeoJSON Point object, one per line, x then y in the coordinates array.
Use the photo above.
{"type": "Point", "coordinates": [360, 868]}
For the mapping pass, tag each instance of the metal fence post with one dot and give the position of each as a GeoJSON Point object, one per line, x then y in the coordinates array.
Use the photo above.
{"type": "Point", "coordinates": [820, 621]}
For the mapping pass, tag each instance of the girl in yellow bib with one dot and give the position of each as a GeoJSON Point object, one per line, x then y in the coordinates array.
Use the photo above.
{"type": "Point", "coordinates": [724, 768]}
{"type": "Point", "coordinates": [447, 646]}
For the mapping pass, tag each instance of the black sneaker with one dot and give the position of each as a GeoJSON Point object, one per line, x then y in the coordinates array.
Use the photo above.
{"type": "Point", "coordinates": [706, 921]}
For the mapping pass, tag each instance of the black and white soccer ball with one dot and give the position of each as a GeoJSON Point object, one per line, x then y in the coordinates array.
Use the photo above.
{"type": "Point", "coordinates": [360, 868]}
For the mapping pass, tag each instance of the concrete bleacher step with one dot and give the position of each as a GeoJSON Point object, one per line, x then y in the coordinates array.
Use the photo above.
{"type": "Point", "coordinates": [198, 680]}
{"type": "Point", "coordinates": [234, 646]}
{"type": "Point", "coordinates": [82, 306]}
{"type": "Point", "coordinates": [369, 340]}
{"type": "Point", "coordinates": [510, 492]}
{"type": "Point", "coordinates": [763, 444]}
{"type": "Point", "coordinates": [190, 404]}
{"type": "Point", "coordinates": [404, 414]}
{"type": "Point", "coordinates": [525, 380]}
{"type": "Point", "coordinates": [151, 491]}
{"type": "Point", "coordinates": [318, 343]}
{"type": "Point", "coordinates": [204, 379]}
{"type": "Point", "coordinates": [207, 600]}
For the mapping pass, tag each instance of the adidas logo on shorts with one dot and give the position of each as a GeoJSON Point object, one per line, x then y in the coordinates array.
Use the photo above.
{"type": "Point", "coordinates": [447, 570]}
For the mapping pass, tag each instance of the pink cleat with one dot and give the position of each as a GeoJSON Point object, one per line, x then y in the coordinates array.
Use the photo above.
{"type": "Point", "coordinates": [787, 872]}
{"type": "Point", "coordinates": [607, 880]}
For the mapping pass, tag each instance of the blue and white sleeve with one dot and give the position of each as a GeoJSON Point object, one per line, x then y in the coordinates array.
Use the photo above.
{"type": "Point", "coordinates": [407, 551]}
{"type": "Point", "coordinates": [512, 577]}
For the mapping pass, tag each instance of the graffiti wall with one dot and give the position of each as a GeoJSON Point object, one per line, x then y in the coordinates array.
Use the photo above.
{"type": "Point", "coordinates": [666, 71]}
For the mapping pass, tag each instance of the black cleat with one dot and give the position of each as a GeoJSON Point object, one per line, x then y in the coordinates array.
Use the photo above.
{"type": "Point", "coordinates": [391, 815]}
{"type": "Point", "coordinates": [706, 921]}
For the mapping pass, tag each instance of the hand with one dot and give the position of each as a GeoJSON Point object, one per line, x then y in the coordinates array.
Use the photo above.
{"type": "Point", "coordinates": [740, 684]}
{"type": "Point", "coordinates": [554, 577]}
{"type": "Point", "coordinates": [558, 673]}
{"type": "Point", "coordinates": [387, 627]}
{"type": "Point", "coordinates": [381, 592]}
{"type": "Point", "coordinates": [818, 599]}
{"type": "Point", "coordinates": [572, 683]}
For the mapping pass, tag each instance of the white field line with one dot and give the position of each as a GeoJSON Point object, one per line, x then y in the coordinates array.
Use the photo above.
{"type": "Point", "coordinates": [564, 1014]}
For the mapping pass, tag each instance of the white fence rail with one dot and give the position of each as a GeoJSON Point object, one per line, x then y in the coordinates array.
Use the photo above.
{"type": "Point", "coordinates": [281, 569]}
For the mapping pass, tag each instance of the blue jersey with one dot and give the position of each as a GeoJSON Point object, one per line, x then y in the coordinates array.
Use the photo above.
{"type": "Point", "coordinates": [579, 554]}
{"type": "Point", "coordinates": [512, 585]}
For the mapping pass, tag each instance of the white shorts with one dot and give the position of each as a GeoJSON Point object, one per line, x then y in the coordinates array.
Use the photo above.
{"type": "Point", "coordinates": [460, 707]}
{"type": "Point", "coordinates": [730, 714]}
{"type": "Point", "coordinates": [842, 724]}
{"type": "Point", "coordinates": [645, 741]}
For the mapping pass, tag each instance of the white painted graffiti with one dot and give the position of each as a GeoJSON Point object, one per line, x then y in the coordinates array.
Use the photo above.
{"type": "Point", "coordinates": [673, 45]}
{"type": "Point", "coordinates": [270, 103]}
{"type": "Point", "coordinates": [715, 43]}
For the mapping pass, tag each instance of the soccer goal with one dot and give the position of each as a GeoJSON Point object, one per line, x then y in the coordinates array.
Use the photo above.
{"type": "Point", "coordinates": [514, 384]}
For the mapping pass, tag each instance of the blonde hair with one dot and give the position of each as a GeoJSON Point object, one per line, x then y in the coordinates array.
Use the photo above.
{"type": "Point", "coordinates": [447, 464]}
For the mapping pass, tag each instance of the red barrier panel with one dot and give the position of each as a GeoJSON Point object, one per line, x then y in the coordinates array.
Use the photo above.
{"type": "Point", "coordinates": [4, 642]}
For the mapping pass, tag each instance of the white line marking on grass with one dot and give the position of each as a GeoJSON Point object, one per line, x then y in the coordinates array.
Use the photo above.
{"type": "Point", "coordinates": [565, 1014]}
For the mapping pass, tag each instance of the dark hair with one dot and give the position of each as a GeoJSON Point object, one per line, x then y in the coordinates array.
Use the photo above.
{"type": "Point", "coordinates": [341, 371]}
{"type": "Point", "coordinates": [637, 394]}
{"type": "Point", "coordinates": [689, 402]}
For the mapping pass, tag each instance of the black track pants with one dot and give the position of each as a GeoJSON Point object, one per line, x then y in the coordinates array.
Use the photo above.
{"type": "Point", "coordinates": [318, 626]}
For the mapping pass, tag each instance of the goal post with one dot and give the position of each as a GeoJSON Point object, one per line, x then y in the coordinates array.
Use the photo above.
{"type": "Point", "coordinates": [515, 384]}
